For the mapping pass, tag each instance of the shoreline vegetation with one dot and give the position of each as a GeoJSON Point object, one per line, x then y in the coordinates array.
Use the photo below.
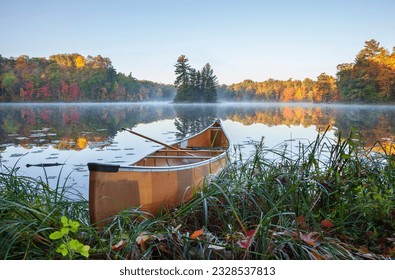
{"type": "Point", "coordinates": [75, 78]}
{"type": "Point", "coordinates": [330, 199]}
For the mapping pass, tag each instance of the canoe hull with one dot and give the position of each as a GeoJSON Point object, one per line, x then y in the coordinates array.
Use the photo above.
{"type": "Point", "coordinates": [151, 192]}
{"type": "Point", "coordinates": [160, 181]}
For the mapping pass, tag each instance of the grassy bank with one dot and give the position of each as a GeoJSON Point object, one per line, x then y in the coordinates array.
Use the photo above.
{"type": "Point", "coordinates": [331, 199]}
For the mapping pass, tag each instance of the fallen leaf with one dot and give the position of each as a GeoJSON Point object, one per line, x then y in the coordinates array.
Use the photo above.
{"type": "Point", "coordinates": [327, 223]}
{"type": "Point", "coordinates": [159, 237]}
{"type": "Point", "coordinates": [245, 243]}
{"type": "Point", "coordinates": [249, 237]}
{"type": "Point", "coordinates": [119, 245]}
{"type": "Point", "coordinates": [307, 239]}
{"type": "Point", "coordinates": [312, 238]}
{"type": "Point", "coordinates": [300, 220]}
{"type": "Point", "coordinates": [143, 236]}
{"type": "Point", "coordinates": [317, 255]}
{"type": "Point", "coordinates": [197, 233]}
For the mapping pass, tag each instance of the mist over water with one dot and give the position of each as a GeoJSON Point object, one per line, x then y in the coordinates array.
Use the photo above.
{"type": "Point", "coordinates": [75, 134]}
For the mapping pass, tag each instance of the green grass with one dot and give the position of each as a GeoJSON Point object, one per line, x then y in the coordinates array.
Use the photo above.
{"type": "Point", "coordinates": [331, 199]}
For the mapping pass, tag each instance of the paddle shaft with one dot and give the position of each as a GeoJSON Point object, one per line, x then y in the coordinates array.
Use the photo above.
{"type": "Point", "coordinates": [156, 141]}
{"type": "Point", "coordinates": [44, 164]}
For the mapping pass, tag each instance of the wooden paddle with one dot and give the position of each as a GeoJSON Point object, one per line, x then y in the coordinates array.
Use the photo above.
{"type": "Point", "coordinates": [156, 141]}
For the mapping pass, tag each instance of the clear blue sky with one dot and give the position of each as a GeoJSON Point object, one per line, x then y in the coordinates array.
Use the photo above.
{"type": "Point", "coordinates": [242, 39]}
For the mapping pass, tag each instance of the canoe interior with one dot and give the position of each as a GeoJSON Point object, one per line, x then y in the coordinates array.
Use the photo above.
{"type": "Point", "coordinates": [160, 189]}
{"type": "Point", "coordinates": [210, 143]}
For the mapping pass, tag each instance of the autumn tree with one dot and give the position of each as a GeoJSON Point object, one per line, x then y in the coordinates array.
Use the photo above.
{"type": "Point", "coordinates": [324, 89]}
{"type": "Point", "coordinates": [288, 94]}
{"type": "Point", "coordinates": [53, 75]}
{"type": "Point", "coordinates": [71, 77]}
{"type": "Point", "coordinates": [79, 61]}
{"type": "Point", "coordinates": [371, 78]}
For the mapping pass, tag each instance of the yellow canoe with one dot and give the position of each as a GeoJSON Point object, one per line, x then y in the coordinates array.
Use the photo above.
{"type": "Point", "coordinates": [161, 180]}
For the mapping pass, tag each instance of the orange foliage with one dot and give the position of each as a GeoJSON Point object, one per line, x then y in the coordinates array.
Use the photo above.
{"type": "Point", "coordinates": [288, 114]}
{"type": "Point", "coordinates": [327, 223]}
{"type": "Point", "coordinates": [197, 233]}
{"type": "Point", "coordinates": [288, 94]}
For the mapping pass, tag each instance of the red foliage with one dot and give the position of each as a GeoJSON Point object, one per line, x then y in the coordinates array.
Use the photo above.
{"type": "Point", "coordinates": [45, 115]}
{"type": "Point", "coordinates": [65, 118]}
{"type": "Point", "coordinates": [29, 116]}
{"type": "Point", "coordinates": [74, 92]}
{"type": "Point", "coordinates": [70, 117]}
{"type": "Point", "coordinates": [65, 87]}
{"type": "Point", "coordinates": [246, 242]}
{"type": "Point", "coordinates": [29, 90]}
{"type": "Point", "coordinates": [44, 91]}
{"type": "Point", "coordinates": [74, 116]}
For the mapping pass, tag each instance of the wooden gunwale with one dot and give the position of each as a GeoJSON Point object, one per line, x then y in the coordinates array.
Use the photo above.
{"type": "Point", "coordinates": [131, 168]}
{"type": "Point", "coordinates": [180, 157]}
{"type": "Point", "coordinates": [191, 150]}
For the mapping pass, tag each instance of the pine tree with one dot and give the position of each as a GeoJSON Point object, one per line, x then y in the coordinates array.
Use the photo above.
{"type": "Point", "coordinates": [182, 82]}
{"type": "Point", "coordinates": [195, 93]}
{"type": "Point", "coordinates": [209, 84]}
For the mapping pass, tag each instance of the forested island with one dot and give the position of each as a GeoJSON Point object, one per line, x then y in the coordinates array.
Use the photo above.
{"type": "Point", "coordinates": [75, 78]}
{"type": "Point", "coordinates": [194, 86]}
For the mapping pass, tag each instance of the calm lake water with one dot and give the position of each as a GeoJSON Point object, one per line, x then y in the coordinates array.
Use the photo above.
{"type": "Point", "coordinates": [75, 134]}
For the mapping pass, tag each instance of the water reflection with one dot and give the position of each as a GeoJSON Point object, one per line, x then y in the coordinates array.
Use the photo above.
{"type": "Point", "coordinates": [73, 127]}
{"type": "Point", "coordinates": [77, 133]}
{"type": "Point", "coordinates": [374, 123]}
{"type": "Point", "coordinates": [192, 119]}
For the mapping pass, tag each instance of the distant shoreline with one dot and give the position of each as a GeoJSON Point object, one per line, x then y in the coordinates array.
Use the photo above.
{"type": "Point", "coordinates": [196, 103]}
